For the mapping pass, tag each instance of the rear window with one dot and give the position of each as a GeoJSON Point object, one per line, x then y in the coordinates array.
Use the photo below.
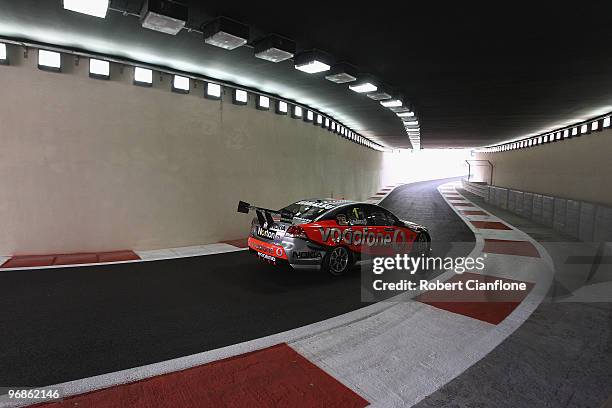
{"type": "Point", "coordinates": [308, 210]}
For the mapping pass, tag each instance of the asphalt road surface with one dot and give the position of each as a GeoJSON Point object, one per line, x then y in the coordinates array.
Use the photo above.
{"type": "Point", "coordinates": [63, 324]}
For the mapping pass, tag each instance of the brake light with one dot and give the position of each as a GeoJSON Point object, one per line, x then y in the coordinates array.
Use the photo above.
{"type": "Point", "coordinates": [296, 231]}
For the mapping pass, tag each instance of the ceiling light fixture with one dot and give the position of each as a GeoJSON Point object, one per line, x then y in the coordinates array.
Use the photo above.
{"type": "Point", "coordinates": [274, 48]}
{"type": "Point", "coordinates": [363, 86]}
{"type": "Point", "coordinates": [167, 17]}
{"type": "Point", "coordinates": [312, 62]}
{"type": "Point", "coordinates": [393, 103]}
{"type": "Point", "coordinates": [342, 73]}
{"type": "Point", "coordinates": [225, 33]}
{"type": "Point", "coordinates": [381, 94]}
{"type": "Point", "coordinates": [96, 8]}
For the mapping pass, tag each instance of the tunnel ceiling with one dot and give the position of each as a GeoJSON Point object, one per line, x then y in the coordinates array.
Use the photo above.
{"type": "Point", "coordinates": [476, 75]}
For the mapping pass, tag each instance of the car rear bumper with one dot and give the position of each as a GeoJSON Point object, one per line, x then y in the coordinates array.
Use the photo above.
{"type": "Point", "coordinates": [297, 252]}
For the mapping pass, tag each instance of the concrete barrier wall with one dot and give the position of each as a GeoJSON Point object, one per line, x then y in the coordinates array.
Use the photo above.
{"type": "Point", "coordinates": [98, 165]}
{"type": "Point", "coordinates": [578, 219]}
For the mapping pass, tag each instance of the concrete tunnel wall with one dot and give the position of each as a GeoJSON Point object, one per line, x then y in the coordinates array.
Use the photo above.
{"type": "Point", "coordinates": [92, 165]}
{"type": "Point", "coordinates": [578, 168]}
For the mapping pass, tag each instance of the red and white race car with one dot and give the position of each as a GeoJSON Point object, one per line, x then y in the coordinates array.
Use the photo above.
{"type": "Point", "coordinates": [331, 234]}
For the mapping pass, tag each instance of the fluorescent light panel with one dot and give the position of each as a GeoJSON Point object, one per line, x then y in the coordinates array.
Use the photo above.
{"type": "Point", "coordinates": [99, 69]}
{"type": "Point", "coordinates": [263, 102]}
{"type": "Point", "coordinates": [393, 103]}
{"type": "Point", "coordinates": [143, 76]}
{"type": "Point", "coordinates": [225, 33]}
{"type": "Point", "coordinates": [281, 107]}
{"type": "Point", "coordinates": [405, 114]}
{"type": "Point", "coordinates": [49, 60]}
{"type": "Point", "coordinates": [363, 87]}
{"type": "Point", "coordinates": [313, 67]}
{"type": "Point", "coordinates": [167, 17]}
{"type": "Point", "coordinates": [240, 97]}
{"type": "Point", "coordinates": [3, 57]}
{"type": "Point", "coordinates": [180, 84]}
{"type": "Point", "coordinates": [96, 8]}
{"type": "Point", "coordinates": [342, 73]}
{"type": "Point", "coordinates": [606, 122]}
{"type": "Point", "coordinates": [297, 112]}
{"type": "Point", "coordinates": [340, 78]}
{"type": "Point", "coordinates": [274, 48]}
{"type": "Point", "coordinates": [309, 116]}
{"type": "Point", "coordinates": [379, 95]}
{"type": "Point", "coordinates": [213, 91]}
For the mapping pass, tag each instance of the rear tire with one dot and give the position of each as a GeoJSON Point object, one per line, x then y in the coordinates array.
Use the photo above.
{"type": "Point", "coordinates": [337, 261]}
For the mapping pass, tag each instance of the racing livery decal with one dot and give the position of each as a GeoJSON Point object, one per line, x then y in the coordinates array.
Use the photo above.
{"type": "Point", "coordinates": [330, 234]}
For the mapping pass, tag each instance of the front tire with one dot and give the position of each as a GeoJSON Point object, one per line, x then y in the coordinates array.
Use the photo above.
{"type": "Point", "coordinates": [338, 261]}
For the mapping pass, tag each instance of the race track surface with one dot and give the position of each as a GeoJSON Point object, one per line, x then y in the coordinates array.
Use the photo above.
{"type": "Point", "coordinates": [63, 324]}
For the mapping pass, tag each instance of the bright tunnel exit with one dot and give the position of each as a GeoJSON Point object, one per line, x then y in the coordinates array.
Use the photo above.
{"type": "Point", "coordinates": [407, 166]}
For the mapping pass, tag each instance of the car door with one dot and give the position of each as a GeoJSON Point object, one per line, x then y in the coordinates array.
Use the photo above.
{"type": "Point", "coordinates": [353, 218]}
{"type": "Point", "coordinates": [381, 231]}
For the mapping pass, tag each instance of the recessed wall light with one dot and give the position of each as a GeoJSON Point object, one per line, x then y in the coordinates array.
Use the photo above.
{"type": "Point", "coordinates": [180, 84]}
{"type": "Point", "coordinates": [240, 97]}
{"type": "Point", "coordinates": [143, 76]}
{"type": "Point", "coordinates": [281, 107]}
{"type": "Point", "coordinates": [213, 91]}
{"type": "Point", "coordinates": [49, 60]}
{"type": "Point", "coordinates": [99, 69]}
{"type": "Point", "coordinates": [263, 102]}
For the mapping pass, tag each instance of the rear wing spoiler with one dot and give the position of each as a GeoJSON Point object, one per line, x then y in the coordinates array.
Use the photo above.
{"type": "Point", "coordinates": [264, 215]}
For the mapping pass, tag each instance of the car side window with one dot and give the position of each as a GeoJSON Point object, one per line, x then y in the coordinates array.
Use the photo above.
{"type": "Point", "coordinates": [355, 215]}
{"type": "Point", "coordinates": [377, 216]}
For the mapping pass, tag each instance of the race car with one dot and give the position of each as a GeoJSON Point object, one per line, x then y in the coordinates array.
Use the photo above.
{"type": "Point", "coordinates": [331, 235]}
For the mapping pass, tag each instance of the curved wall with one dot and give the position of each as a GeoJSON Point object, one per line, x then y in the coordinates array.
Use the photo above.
{"type": "Point", "coordinates": [90, 164]}
{"type": "Point", "coordinates": [578, 168]}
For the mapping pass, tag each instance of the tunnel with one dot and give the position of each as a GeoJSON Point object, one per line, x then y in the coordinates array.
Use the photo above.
{"type": "Point", "coordinates": [225, 204]}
